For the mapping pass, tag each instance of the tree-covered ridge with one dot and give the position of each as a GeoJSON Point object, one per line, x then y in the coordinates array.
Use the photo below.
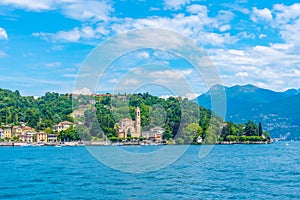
{"type": "Point", "coordinates": [173, 114]}
{"type": "Point", "coordinates": [183, 121]}
{"type": "Point", "coordinates": [96, 117]}
{"type": "Point", "coordinates": [39, 113]}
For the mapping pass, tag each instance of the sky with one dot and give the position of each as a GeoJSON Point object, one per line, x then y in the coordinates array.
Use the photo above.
{"type": "Point", "coordinates": [44, 44]}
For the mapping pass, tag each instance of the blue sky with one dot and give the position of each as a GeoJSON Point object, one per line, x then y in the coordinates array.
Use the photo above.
{"type": "Point", "coordinates": [44, 43]}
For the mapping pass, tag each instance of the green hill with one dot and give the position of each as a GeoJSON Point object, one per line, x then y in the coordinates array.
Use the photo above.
{"type": "Point", "coordinates": [181, 119]}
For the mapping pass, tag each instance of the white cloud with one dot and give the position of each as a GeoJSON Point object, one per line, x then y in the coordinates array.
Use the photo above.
{"type": "Point", "coordinates": [166, 96]}
{"type": "Point", "coordinates": [283, 19]}
{"type": "Point", "coordinates": [290, 32]}
{"type": "Point", "coordinates": [242, 74]}
{"type": "Point", "coordinates": [3, 34]}
{"type": "Point", "coordinates": [274, 66]}
{"type": "Point", "coordinates": [194, 24]}
{"type": "Point", "coordinates": [236, 52]}
{"type": "Point", "coordinates": [237, 7]}
{"type": "Point", "coordinates": [191, 95]}
{"type": "Point", "coordinates": [191, 26]}
{"type": "Point", "coordinates": [87, 10]}
{"type": "Point", "coordinates": [92, 10]}
{"type": "Point", "coordinates": [225, 27]}
{"type": "Point", "coordinates": [54, 64]}
{"type": "Point", "coordinates": [185, 72]}
{"type": "Point", "coordinates": [262, 36]}
{"type": "Point", "coordinates": [285, 14]}
{"type": "Point", "coordinates": [84, 91]}
{"type": "Point", "coordinates": [143, 54]}
{"type": "Point", "coordinates": [74, 35]}
{"type": "Point", "coordinates": [216, 39]}
{"type": "Point", "coordinates": [197, 9]}
{"type": "Point", "coordinates": [175, 4]}
{"type": "Point", "coordinates": [261, 15]}
{"type": "Point", "coordinates": [29, 4]}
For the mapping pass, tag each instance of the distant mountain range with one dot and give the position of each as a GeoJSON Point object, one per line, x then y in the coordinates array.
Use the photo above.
{"type": "Point", "coordinates": [278, 111]}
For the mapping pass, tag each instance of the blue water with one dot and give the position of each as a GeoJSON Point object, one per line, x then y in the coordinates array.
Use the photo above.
{"type": "Point", "coordinates": [235, 172]}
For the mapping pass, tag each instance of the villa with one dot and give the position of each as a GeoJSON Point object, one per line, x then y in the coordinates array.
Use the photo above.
{"type": "Point", "coordinates": [62, 126]}
{"type": "Point", "coordinates": [154, 134]}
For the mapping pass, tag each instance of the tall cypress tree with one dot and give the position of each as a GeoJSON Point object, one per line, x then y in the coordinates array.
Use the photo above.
{"type": "Point", "coordinates": [260, 131]}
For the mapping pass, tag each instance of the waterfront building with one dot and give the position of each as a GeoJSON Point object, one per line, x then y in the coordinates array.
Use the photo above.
{"type": "Point", "coordinates": [154, 134]}
{"type": "Point", "coordinates": [127, 127]}
{"type": "Point", "coordinates": [28, 137]}
{"type": "Point", "coordinates": [62, 126]}
{"type": "Point", "coordinates": [7, 131]}
{"type": "Point", "coordinates": [1, 133]}
{"type": "Point", "coordinates": [52, 138]}
{"type": "Point", "coordinates": [41, 137]}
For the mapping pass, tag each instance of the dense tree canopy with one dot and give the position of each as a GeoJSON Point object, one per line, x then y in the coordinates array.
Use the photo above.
{"type": "Point", "coordinates": [181, 119]}
{"type": "Point", "coordinates": [38, 113]}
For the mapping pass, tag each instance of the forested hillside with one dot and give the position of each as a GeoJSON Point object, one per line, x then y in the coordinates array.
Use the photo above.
{"type": "Point", "coordinates": [97, 116]}
{"type": "Point", "coordinates": [38, 113]}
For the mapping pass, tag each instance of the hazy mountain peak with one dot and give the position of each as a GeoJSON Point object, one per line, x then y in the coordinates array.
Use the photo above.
{"type": "Point", "coordinates": [277, 109]}
{"type": "Point", "coordinates": [292, 91]}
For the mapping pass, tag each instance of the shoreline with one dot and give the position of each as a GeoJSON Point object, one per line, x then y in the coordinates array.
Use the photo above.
{"type": "Point", "coordinates": [95, 143]}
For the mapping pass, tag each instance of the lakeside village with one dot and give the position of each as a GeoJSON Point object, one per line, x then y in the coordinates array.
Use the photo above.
{"type": "Point", "coordinates": [110, 119]}
{"type": "Point", "coordinates": [24, 135]}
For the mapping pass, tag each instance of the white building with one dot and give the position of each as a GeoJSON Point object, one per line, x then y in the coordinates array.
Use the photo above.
{"type": "Point", "coordinates": [1, 133]}
{"type": "Point", "coordinates": [62, 126]}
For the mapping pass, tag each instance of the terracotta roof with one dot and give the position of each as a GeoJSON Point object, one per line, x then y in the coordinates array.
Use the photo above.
{"type": "Point", "coordinates": [64, 123]}
{"type": "Point", "coordinates": [126, 119]}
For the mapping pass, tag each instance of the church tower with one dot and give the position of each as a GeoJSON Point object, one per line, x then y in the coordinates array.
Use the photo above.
{"type": "Point", "coordinates": [138, 121]}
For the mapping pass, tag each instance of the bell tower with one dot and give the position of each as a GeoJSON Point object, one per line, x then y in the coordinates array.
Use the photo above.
{"type": "Point", "coordinates": [138, 121]}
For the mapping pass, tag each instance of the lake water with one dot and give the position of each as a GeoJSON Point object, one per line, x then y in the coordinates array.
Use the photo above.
{"type": "Point", "coordinates": [229, 171]}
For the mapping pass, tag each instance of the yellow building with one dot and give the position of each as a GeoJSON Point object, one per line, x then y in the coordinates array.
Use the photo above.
{"type": "Point", "coordinates": [41, 137]}
{"type": "Point", "coordinates": [7, 132]}
{"type": "Point", "coordinates": [16, 130]}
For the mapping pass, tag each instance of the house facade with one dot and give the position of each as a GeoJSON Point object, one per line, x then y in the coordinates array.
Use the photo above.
{"type": "Point", "coordinates": [155, 134]}
{"type": "Point", "coordinates": [16, 130]}
{"type": "Point", "coordinates": [28, 137]}
{"type": "Point", "coordinates": [1, 133]}
{"type": "Point", "coordinates": [62, 126]}
{"type": "Point", "coordinates": [41, 137]}
{"type": "Point", "coordinates": [7, 130]}
{"type": "Point", "coordinates": [52, 138]}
